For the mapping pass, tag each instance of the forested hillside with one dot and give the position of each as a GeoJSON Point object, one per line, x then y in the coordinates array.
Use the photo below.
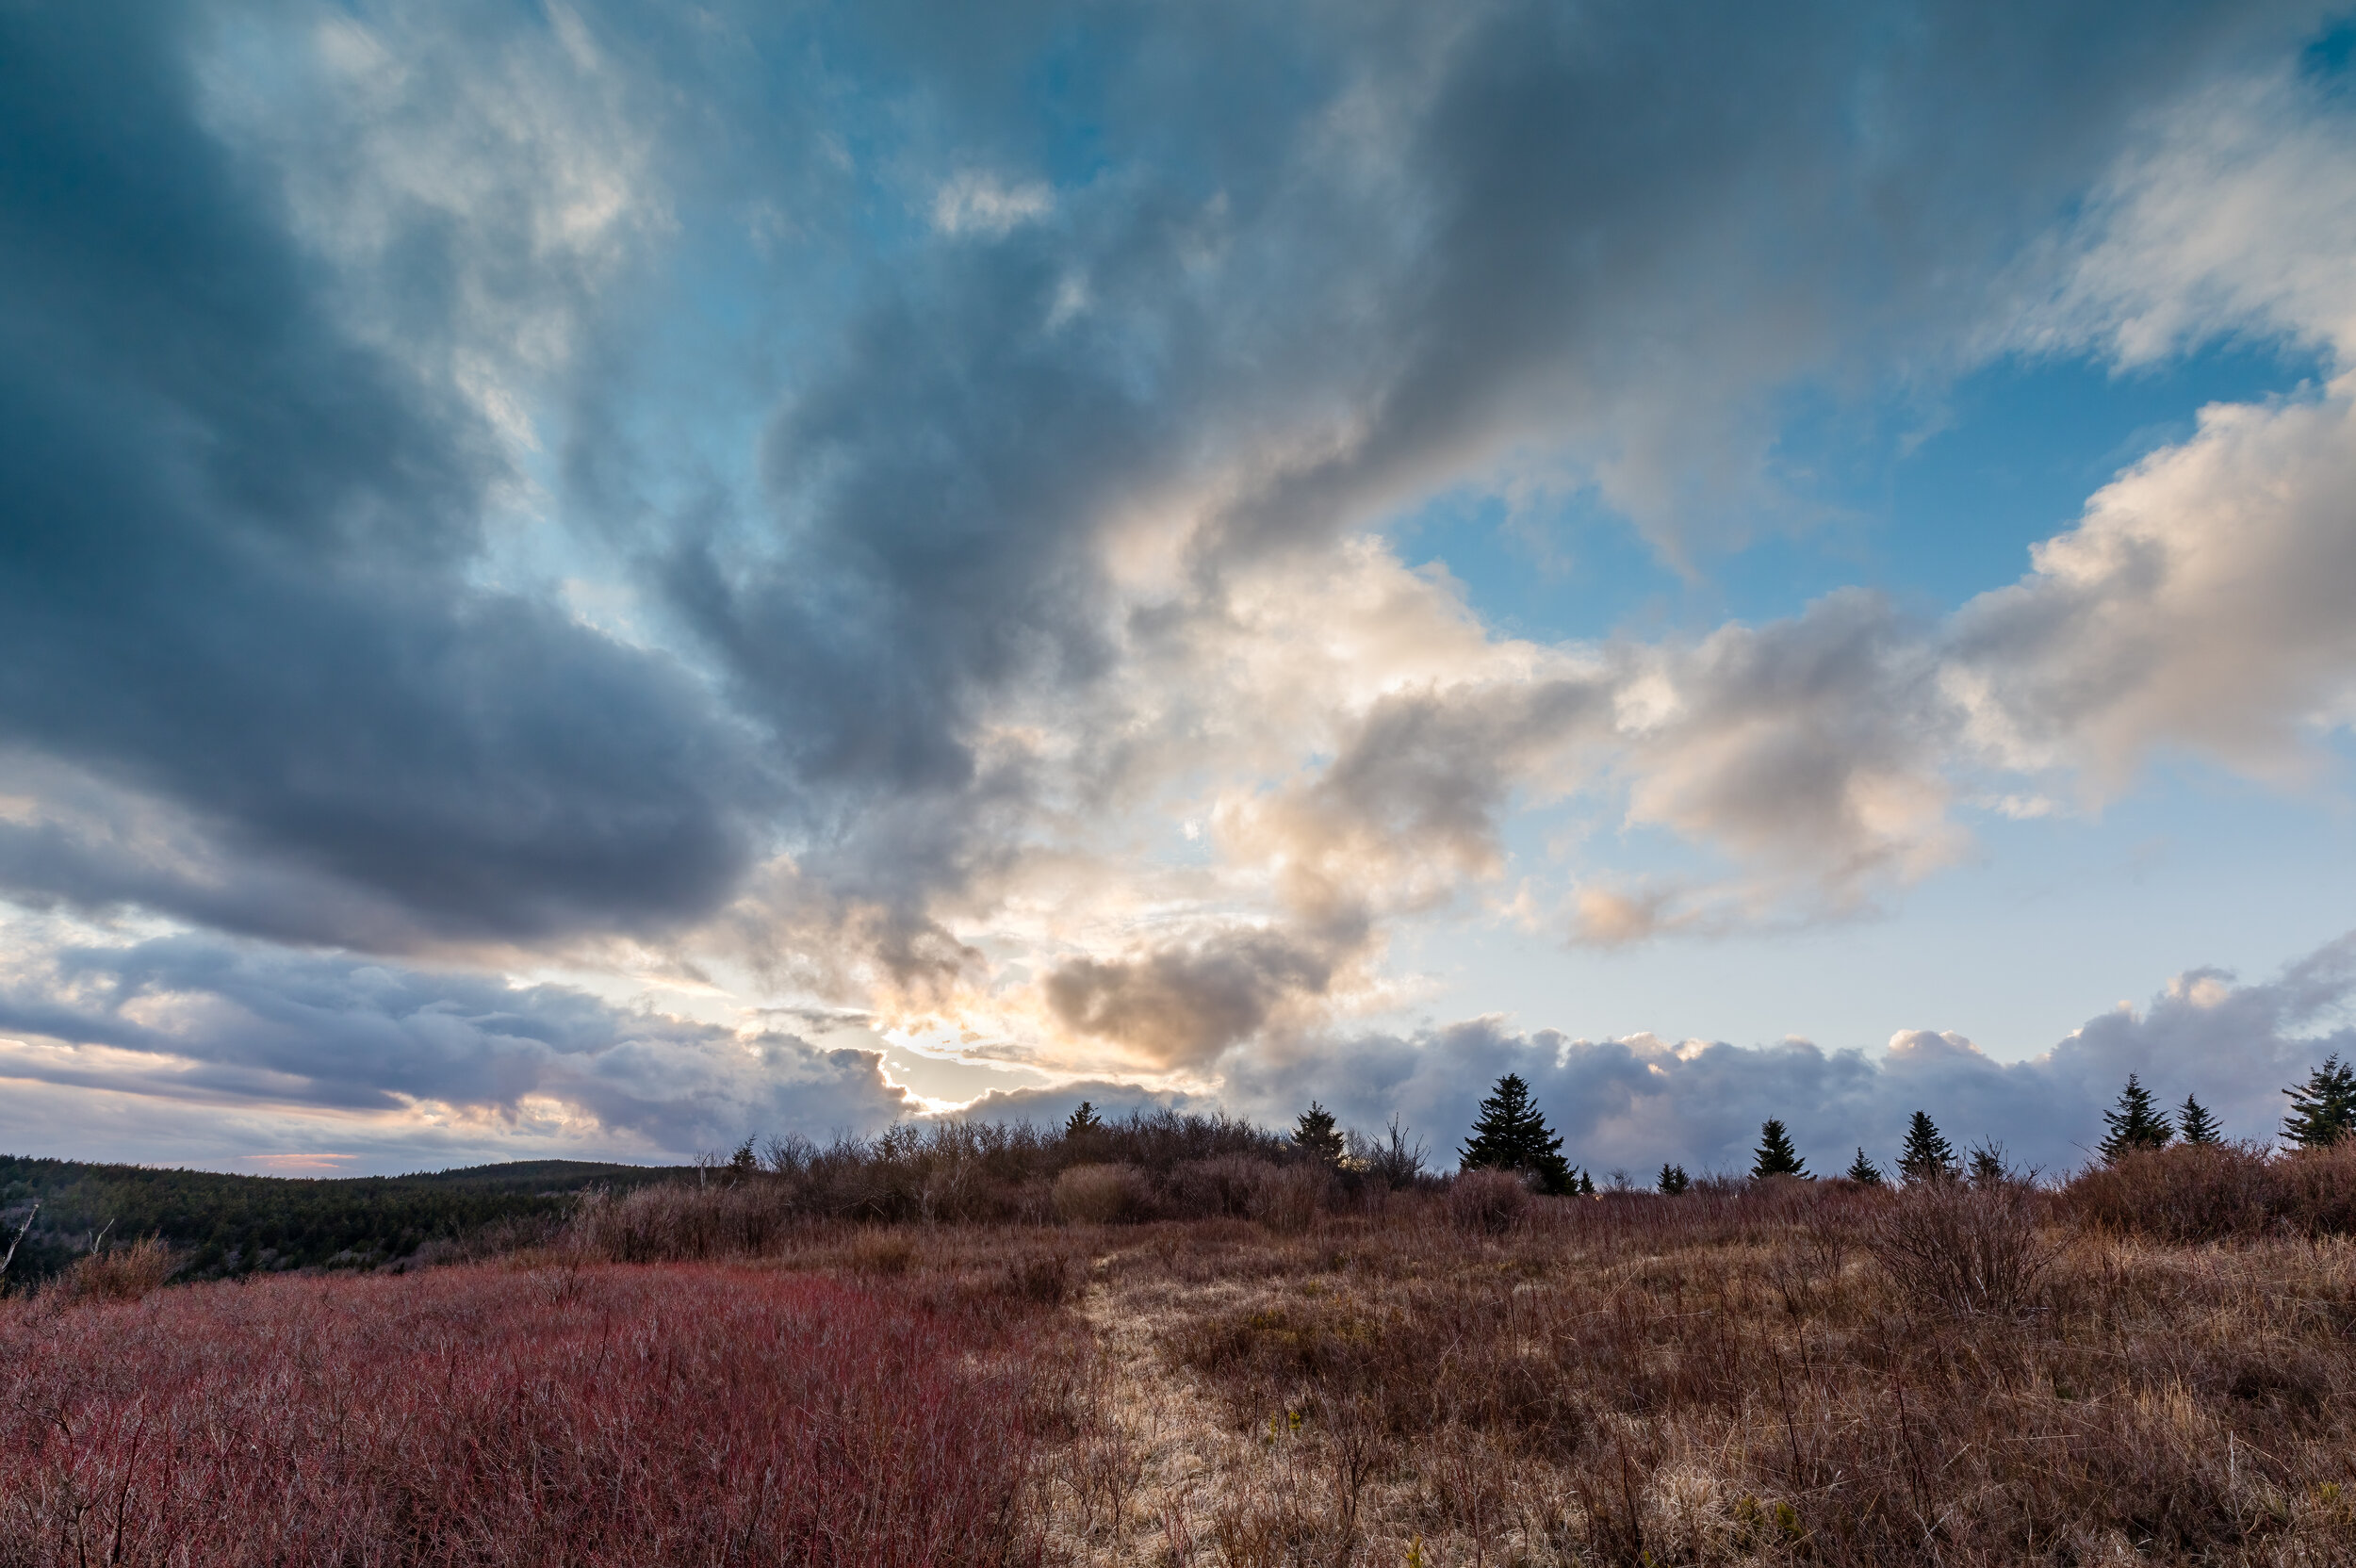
{"type": "Point", "coordinates": [222, 1225]}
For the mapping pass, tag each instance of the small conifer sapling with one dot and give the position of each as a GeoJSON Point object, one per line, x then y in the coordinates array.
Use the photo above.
{"type": "Point", "coordinates": [2195, 1125]}
{"type": "Point", "coordinates": [1863, 1171]}
{"type": "Point", "coordinates": [1776, 1157]}
{"type": "Point", "coordinates": [1316, 1136]}
{"type": "Point", "coordinates": [1512, 1134]}
{"type": "Point", "coordinates": [2323, 1109]}
{"type": "Point", "coordinates": [1925, 1156]}
{"type": "Point", "coordinates": [1673, 1180]}
{"type": "Point", "coordinates": [1989, 1168]}
{"type": "Point", "coordinates": [2136, 1124]}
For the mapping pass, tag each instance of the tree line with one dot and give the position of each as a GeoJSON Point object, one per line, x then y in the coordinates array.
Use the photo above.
{"type": "Point", "coordinates": [219, 1225]}
{"type": "Point", "coordinates": [54, 1211]}
{"type": "Point", "coordinates": [1510, 1134]}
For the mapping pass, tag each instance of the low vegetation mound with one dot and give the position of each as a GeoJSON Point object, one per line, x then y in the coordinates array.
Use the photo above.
{"type": "Point", "coordinates": [2193, 1192]}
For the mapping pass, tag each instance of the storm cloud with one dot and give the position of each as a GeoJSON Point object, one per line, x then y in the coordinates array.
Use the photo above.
{"type": "Point", "coordinates": [234, 588]}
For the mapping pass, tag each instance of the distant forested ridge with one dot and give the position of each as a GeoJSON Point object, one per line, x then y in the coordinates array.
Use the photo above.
{"type": "Point", "coordinates": [220, 1225]}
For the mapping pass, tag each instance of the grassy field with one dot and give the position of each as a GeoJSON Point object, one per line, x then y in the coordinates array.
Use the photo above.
{"type": "Point", "coordinates": [2156, 1363]}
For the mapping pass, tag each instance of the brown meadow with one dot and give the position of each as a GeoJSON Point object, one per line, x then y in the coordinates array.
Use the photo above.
{"type": "Point", "coordinates": [2156, 1362]}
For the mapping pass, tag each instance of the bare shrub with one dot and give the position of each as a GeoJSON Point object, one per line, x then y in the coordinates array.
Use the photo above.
{"type": "Point", "coordinates": [1100, 1193]}
{"type": "Point", "coordinates": [1228, 1187]}
{"type": "Point", "coordinates": [1391, 1158]}
{"type": "Point", "coordinates": [1968, 1251]}
{"type": "Point", "coordinates": [689, 1414]}
{"type": "Point", "coordinates": [1488, 1201]}
{"type": "Point", "coordinates": [124, 1274]}
{"type": "Point", "coordinates": [502, 1238]}
{"type": "Point", "coordinates": [2320, 1188]}
{"type": "Point", "coordinates": [1291, 1197]}
{"type": "Point", "coordinates": [2188, 1193]}
{"type": "Point", "coordinates": [673, 1221]}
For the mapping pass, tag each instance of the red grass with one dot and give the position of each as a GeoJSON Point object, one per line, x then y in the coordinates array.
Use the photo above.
{"type": "Point", "coordinates": [688, 1414]}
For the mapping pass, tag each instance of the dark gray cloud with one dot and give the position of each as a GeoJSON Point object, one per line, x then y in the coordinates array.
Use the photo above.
{"type": "Point", "coordinates": [1637, 1101]}
{"type": "Point", "coordinates": [1180, 1006]}
{"type": "Point", "coordinates": [233, 568]}
{"type": "Point", "coordinates": [244, 1027]}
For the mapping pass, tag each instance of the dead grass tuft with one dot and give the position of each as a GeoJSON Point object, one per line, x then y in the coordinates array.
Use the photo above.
{"type": "Point", "coordinates": [1969, 1251]}
{"type": "Point", "coordinates": [119, 1274]}
{"type": "Point", "coordinates": [1489, 1203]}
{"type": "Point", "coordinates": [1100, 1193]}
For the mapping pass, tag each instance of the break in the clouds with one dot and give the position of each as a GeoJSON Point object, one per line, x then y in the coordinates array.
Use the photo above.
{"type": "Point", "coordinates": [1129, 543]}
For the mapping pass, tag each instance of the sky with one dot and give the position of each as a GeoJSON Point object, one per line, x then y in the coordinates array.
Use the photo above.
{"type": "Point", "coordinates": [595, 580]}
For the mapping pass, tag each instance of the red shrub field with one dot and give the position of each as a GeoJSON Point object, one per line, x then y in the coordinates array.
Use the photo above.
{"type": "Point", "coordinates": [687, 1412]}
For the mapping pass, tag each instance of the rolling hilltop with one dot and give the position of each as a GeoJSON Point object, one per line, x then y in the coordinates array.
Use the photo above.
{"type": "Point", "coordinates": [225, 1225]}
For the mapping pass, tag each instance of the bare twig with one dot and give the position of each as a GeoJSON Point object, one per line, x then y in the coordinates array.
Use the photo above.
{"type": "Point", "coordinates": [21, 1230]}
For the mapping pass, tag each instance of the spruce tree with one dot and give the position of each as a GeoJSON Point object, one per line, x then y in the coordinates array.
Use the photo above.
{"type": "Point", "coordinates": [2195, 1125]}
{"type": "Point", "coordinates": [1775, 1155]}
{"type": "Point", "coordinates": [1586, 1184]}
{"type": "Point", "coordinates": [1925, 1156]}
{"type": "Point", "coordinates": [1674, 1180]}
{"type": "Point", "coordinates": [1989, 1168]}
{"type": "Point", "coordinates": [1863, 1171]}
{"type": "Point", "coordinates": [1316, 1136]}
{"type": "Point", "coordinates": [2137, 1124]}
{"type": "Point", "coordinates": [1512, 1134]}
{"type": "Point", "coordinates": [1082, 1121]}
{"type": "Point", "coordinates": [2323, 1110]}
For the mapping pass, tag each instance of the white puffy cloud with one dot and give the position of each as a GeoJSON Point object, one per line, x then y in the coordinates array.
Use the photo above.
{"type": "Point", "coordinates": [2202, 604]}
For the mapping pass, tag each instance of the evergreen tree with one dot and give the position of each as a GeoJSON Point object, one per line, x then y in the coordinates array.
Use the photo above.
{"type": "Point", "coordinates": [1926, 1155]}
{"type": "Point", "coordinates": [1512, 1134]}
{"type": "Point", "coordinates": [2323, 1110]}
{"type": "Point", "coordinates": [2195, 1125]}
{"type": "Point", "coordinates": [1863, 1171]}
{"type": "Point", "coordinates": [1674, 1180]}
{"type": "Point", "coordinates": [2136, 1124]}
{"type": "Point", "coordinates": [1316, 1136]}
{"type": "Point", "coordinates": [1989, 1168]}
{"type": "Point", "coordinates": [1082, 1122]}
{"type": "Point", "coordinates": [1776, 1157]}
{"type": "Point", "coordinates": [1586, 1184]}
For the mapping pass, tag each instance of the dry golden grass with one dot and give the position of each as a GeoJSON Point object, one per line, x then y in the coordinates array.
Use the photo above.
{"type": "Point", "coordinates": [1734, 1379]}
{"type": "Point", "coordinates": [119, 1274]}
